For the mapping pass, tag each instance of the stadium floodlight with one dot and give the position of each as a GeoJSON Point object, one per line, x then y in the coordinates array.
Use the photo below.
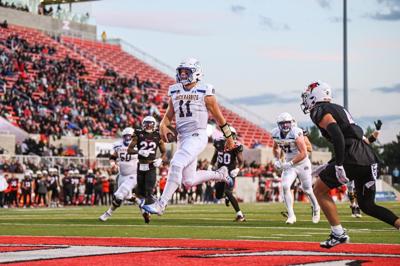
{"type": "Point", "coordinates": [345, 88]}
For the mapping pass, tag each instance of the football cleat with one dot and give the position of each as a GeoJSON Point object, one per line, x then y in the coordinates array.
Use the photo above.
{"type": "Point", "coordinates": [227, 202]}
{"type": "Point", "coordinates": [358, 212]}
{"type": "Point", "coordinates": [146, 217]}
{"type": "Point", "coordinates": [154, 208]}
{"type": "Point", "coordinates": [104, 217]}
{"type": "Point", "coordinates": [291, 220]}
{"type": "Point", "coordinates": [353, 211]}
{"type": "Point", "coordinates": [240, 218]}
{"type": "Point", "coordinates": [316, 215]}
{"type": "Point", "coordinates": [335, 240]}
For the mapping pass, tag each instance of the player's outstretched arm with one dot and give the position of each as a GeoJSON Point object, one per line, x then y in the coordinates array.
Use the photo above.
{"type": "Point", "coordinates": [166, 121]}
{"type": "Point", "coordinates": [213, 107]}
{"type": "Point", "coordinates": [163, 151]}
{"type": "Point", "coordinates": [131, 147]}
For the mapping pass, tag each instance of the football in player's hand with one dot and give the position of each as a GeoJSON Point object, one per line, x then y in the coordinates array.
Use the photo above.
{"type": "Point", "coordinates": [172, 137]}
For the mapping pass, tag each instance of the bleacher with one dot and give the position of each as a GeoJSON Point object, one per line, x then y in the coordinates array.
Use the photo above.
{"type": "Point", "coordinates": [112, 55]}
{"type": "Point", "coordinates": [98, 56]}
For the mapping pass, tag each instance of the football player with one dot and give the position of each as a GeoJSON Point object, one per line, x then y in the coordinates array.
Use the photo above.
{"type": "Point", "coordinates": [26, 190]}
{"type": "Point", "coordinates": [289, 139]}
{"type": "Point", "coordinates": [53, 185]}
{"type": "Point", "coordinates": [190, 101]}
{"type": "Point", "coordinates": [127, 164]}
{"type": "Point", "coordinates": [147, 140]}
{"type": "Point", "coordinates": [351, 193]}
{"type": "Point", "coordinates": [354, 160]}
{"type": "Point", "coordinates": [233, 160]}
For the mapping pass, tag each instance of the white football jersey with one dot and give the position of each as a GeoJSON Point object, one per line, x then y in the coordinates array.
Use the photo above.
{"type": "Point", "coordinates": [127, 163]}
{"type": "Point", "coordinates": [190, 109]}
{"type": "Point", "coordinates": [287, 143]}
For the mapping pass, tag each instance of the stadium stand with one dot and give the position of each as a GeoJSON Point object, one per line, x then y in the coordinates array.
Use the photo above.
{"type": "Point", "coordinates": [102, 82]}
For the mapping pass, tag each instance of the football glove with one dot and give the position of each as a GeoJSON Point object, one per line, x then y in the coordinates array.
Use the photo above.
{"type": "Point", "coordinates": [287, 165]}
{"type": "Point", "coordinates": [341, 174]}
{"type": "Point", "coordinates": [144, 153]}
{"type": "Point", "coordinates": [378, 125]}
{"type": "Point", "coordinates": [234, 172]}
{"type": "Point", "coordinates": [157, 162]}
{"type": "Point", "coordinates": [277, 164]}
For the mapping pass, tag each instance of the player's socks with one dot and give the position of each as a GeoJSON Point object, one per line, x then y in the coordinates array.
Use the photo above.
{"type": "Point", "coordinates": [337, 229]}
{"type": "Point", "coordinates": [287, 195]}
{"type": "Point", "coordinates": [169, 190]}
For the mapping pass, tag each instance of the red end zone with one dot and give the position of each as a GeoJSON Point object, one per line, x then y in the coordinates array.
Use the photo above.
{"type": "Point", "coordinates": [139, 251]}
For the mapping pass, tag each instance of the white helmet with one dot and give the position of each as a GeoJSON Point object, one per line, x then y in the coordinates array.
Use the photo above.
{"type": "Point", "coordinates": [193, 65]}
{"type": "Point", "coordinates": [314, 93]}
{"type": "Point", "coordinates": [285, 122]}
{"type": "Point", "coordinates": [149, 124]}
{"type": "Point", "coordinates": [76, 172]}
{"type": "Point", "coordinates": [70, 172]}
{"type": "Point", "coordinates": [127, 135]}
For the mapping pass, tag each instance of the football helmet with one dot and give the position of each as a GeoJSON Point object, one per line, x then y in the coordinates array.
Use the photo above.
{"type": "Point", "coordinates": [314, 93]}
{"type": "Point", "coordinates": [149, 124]}
{"type": "Point", "coordinates": [219, 144]}
{"type": "Point", "coordinates": [127, 135]}
{"type": "Point", "coordinates": [195, 73]}
{"type": "Point", "coordinates": [285, 122]}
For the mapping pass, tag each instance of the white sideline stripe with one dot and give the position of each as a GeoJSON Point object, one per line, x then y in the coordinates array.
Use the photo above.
{"type": "Point", "coordinates": [260, 237]}
{"type": "Point", "coordinates": [90, 217]}
{"type": "Point", "coordinates": [289, 235]}
{"type": "Point", "coordinates": [62, 251]}
{"type": "Point", "coordinates": [362, 230]}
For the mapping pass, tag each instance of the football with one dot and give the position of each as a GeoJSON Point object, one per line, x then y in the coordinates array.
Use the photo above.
{"type": "Point", "coordinates": [172, 137]}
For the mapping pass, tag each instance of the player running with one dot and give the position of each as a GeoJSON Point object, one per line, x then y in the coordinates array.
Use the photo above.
{"type": "Point", "coordinates": [190, 101]}
{"type": "Point", "coordinates": [354, 160]}
{"type": "Point", "coordinates": [127, 164]}
{"type": "Point", "coordinates": [147, 139]}
{"type": "Point", "coordinates": [289, 139]}
{"type": "Point", "coordinates": [233, 160]}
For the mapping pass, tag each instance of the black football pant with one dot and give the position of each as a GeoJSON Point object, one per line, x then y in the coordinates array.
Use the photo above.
{"type": "Point", "coordinates": [364, 180]}
{"type": "Point", "coordinates": [222, 188]}
{"type": "Point", "coordinates": [146, 182]}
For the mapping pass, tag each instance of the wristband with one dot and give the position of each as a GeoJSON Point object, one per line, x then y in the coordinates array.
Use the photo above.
{"type": "Point", "coordinates": [226, 130]}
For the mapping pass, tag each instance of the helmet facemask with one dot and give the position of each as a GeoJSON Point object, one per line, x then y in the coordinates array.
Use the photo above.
{"type": "Point", "coordinates": [285, 126]}
{"type": "Point", "coordinates": [189, 75]}
{"type": "Point", "coordinates": [149, 126]}
{"type": "Point", "coordinates": [127, 139]}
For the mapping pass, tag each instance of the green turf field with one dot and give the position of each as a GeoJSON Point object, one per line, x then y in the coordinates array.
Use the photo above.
{"type": "Point", "coordinates": [264, 222]}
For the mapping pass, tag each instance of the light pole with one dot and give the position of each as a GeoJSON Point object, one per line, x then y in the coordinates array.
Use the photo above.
{"type": "Point", "coordinates": [345, 88]}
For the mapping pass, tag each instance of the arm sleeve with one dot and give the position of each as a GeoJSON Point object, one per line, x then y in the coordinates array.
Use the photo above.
{"type": "Point", "coordinates": [337, 138]}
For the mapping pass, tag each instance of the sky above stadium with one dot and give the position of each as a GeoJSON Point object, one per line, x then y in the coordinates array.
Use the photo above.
{"type": "Point", "coordinates": [262, 53]}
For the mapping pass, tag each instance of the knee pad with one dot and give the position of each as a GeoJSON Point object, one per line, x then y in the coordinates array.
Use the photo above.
{"type": "Point", "coordinates": [123, 192]}
{"type": "Point", "coordinates": [175, 174]}
{"type": "Point", "coordinates": [308, 191]}
{"type": "Point", "coordinates": [116, 202]}
{"type": "Point", "coordinates": [188, 184]}
{"type": "Point", "coordinates": [286, 187]}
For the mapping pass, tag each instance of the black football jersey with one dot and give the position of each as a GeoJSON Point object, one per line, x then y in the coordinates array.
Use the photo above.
{"type": "Point", "coordinates": [27, 183]}
{"type": "Point", "coordinates": [357, 152]}
{"type": "Point", "coordinates": [13, 183]}
{"type": "Point", "coordinates": [228, 158]}
{"type": "Point", "coordinates": [147, 141]}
